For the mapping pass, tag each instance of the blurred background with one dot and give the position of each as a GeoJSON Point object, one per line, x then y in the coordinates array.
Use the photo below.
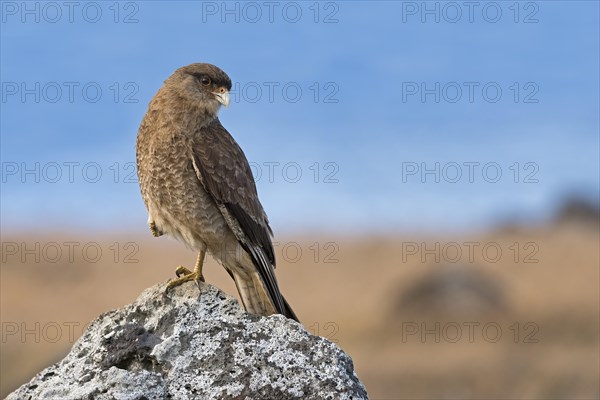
{"type": "Point", "coordinates": [430, 170]}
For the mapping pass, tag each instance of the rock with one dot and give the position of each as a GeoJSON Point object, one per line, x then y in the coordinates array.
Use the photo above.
{"type": "Point", "coordinates": [578, 210]}
{"type": "Point", "coordinates": [192, 344]}
{"type": "Point", "coordinates": [452, 291]}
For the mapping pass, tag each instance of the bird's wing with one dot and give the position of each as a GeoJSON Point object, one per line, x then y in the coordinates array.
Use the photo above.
{"type": "Point", "coordinates": [224, 172]}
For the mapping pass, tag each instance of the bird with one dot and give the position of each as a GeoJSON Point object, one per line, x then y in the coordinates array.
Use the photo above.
{"type": "Point", "coordinates": [198, 187]}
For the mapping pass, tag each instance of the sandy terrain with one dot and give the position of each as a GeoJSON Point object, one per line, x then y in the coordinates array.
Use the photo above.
{"type": "Point", "coordinates": [507, 314]}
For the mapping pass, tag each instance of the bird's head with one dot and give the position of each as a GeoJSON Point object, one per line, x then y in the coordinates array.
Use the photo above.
{"type": "Point", "coordinates": [203, 85]}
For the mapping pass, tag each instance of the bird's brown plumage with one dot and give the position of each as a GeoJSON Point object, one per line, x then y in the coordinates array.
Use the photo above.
{"type": "Point", "coordinates": [198, 187]}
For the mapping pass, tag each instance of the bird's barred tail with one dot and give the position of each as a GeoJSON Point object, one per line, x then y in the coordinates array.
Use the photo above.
{"type": "Point", "coordinates": [255, 297]}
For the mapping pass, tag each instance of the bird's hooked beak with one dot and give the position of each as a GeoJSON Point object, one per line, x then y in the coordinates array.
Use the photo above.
{"type": "Point", "coordinates": [223, 97]}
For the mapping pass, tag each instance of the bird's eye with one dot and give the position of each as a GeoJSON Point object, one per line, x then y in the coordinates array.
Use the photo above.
{"type": "Point", "coordinates": [205, 81]}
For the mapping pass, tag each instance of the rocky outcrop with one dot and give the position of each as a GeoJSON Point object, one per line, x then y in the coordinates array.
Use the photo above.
{"type": "Point", "coordinates": [192, 344]}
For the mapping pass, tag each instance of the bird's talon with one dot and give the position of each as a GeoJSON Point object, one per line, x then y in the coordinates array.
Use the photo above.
{"type": "Point", "coordinates": [182, 271]}
{"type": "Point", "coordinates": [183, 279]}
{"type": "Point", "coordinates": [154, 230]}
{"type": "Point", "coordinates": [185, 275]}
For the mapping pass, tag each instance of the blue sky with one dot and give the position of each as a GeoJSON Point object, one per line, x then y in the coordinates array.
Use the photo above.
{"type": "Point", "coordinates": [358, 97]}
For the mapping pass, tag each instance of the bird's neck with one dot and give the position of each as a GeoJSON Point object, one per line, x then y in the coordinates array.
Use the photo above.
{"type": "Point", "coordinates": [190, 116]}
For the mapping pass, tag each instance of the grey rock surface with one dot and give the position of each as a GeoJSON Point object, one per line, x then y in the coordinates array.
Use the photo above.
{"type": "Point", "coordinates": [191, 344]}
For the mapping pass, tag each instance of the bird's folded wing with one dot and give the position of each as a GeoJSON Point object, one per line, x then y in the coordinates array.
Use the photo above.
{"type": "Point", "coordinates": [224, 172]}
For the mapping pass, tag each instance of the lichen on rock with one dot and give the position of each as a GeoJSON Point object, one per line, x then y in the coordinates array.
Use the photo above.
{"type": "Point", "coordinates": [191, 344]}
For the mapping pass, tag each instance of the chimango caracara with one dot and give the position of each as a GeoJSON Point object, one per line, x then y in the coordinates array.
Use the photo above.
{"type": "Point", "coordinates": [198, 187]}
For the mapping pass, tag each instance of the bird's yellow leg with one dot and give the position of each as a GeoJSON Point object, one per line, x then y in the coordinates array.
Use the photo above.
{"type": "Point", "coordinates": [185, 275]}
